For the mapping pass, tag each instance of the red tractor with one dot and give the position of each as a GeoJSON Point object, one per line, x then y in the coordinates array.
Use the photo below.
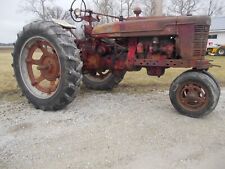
{"type": "Point", "coordinates": [50, 60]}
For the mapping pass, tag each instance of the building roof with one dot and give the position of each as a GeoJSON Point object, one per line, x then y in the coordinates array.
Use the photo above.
{"type": "Point", "coordinates": [217, 24]}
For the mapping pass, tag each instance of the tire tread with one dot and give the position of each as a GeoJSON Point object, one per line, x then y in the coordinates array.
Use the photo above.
{"type": "Point", "coordinates": [68, 49]}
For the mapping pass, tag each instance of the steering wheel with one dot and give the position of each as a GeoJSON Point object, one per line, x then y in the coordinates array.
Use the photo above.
{"type": "Point", "coordinates": [77, 14]}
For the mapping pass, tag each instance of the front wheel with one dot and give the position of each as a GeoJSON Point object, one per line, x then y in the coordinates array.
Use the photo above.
{"type": "Point", "coordinates": [194, 94]}
{"type": "Point", "coordinates": [47, 65]}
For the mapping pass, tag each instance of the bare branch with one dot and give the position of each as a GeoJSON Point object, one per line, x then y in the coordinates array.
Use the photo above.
{"type": "Point", "coordinates": [183, 7]}
{"type": "Point", "coordinates": [149, 7]}
{"type": "Point", "coordinates": [215, 8]}
{"type": "Point", "coordinates": [45, 9]}
{"type": "Point", "coordinates": [106, 7]}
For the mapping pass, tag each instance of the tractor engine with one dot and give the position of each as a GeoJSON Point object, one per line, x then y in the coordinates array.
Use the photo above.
{"type": "Point", "coordinates": [102, 54]}
{"type": "Point", "coordinates": [112, 54]}
{"type": "Point", "coordinates": [151, 47]}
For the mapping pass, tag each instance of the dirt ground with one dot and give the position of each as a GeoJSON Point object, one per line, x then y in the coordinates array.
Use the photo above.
{"type": "Point", "coordinates": [111, 131]}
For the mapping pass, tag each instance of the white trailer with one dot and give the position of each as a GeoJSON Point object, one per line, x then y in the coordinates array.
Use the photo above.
{"type": "Point", "coordinates": [217, 31]}
{"type": "Point", "coordinates": [216, 40]}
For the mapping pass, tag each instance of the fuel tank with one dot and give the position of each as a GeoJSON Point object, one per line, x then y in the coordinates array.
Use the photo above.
{"type": "Point", "coordinates": [148, 26]}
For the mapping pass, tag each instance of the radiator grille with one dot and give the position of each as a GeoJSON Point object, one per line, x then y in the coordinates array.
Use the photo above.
{"type": "Point", "coordinates": [200, 40]}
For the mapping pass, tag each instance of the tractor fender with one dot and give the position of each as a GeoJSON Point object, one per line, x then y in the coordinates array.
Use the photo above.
{"type": "Point", "coordinates": [64, 24]}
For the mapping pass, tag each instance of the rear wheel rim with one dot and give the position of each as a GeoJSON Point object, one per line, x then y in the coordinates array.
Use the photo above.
{"type": "Point", "coordinates": [192, 96]}
{"type": "Point", "coordinates": [40, 74]}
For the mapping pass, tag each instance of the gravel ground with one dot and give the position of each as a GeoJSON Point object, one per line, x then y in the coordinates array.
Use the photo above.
{"type": "Point", "coordinates": [111, 130]}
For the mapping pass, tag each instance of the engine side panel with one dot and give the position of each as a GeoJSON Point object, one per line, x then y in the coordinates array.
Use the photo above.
{"type": "Point", "coordinates": [134, 28]}
{"type": "Point", "coordinates": [147, 26]}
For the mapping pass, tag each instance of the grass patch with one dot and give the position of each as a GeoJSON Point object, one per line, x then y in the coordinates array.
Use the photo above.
{"type": "Point", "coordinates": [218, 72]}
{"type": "Point", "coordinates": [133, 81]}
{"type": "Point", "coordinates": [8, 85]}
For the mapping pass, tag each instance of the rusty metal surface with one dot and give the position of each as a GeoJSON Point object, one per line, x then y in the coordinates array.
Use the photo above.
{"type": "Point", "coordinates": [176, 63]}
{"type": "Point", "coordinates": [141, 27]}
{"type": "Point", "coordinates": [192, 40]}
{"type": "Point", "coordinates": [47, 66]}
{"type": "Point", "coordinates": [152, 42]}
{"type": "Point", "coordinates": [147, 26]}
{"type": "Point", "coordinates": [192, 96]}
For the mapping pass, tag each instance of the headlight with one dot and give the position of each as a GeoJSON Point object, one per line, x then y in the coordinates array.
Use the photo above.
{"type": "Point", "coordinates": [99, 17]}
{"type": "Point", "coordinates": [77, 12]}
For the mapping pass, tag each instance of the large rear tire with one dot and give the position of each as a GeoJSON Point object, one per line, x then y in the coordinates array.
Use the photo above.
{"type": "Point", "coordinates": [194, 93]}
{"type": "Point", "coordinates": [106, 80]}
{"type": "Point", "coordinates": [47, 65]}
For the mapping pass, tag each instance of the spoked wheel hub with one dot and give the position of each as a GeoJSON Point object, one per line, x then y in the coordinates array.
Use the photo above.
{"type": "Point", "coordinates": [193, 96]}
{"type": "Point", "coordinates": [43, 66]}
{"type": "Point", "coordinates": [47, 65]}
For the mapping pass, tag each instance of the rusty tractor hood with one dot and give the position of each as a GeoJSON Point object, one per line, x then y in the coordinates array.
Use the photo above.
{"type": "Point", "coordinates": [148, 26]}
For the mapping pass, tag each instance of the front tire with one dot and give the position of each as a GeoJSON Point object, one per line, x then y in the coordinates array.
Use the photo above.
{"type": "Point", "coordinates": [194, 94]}
{"type": "Point", "coordinates": [47, 65]}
